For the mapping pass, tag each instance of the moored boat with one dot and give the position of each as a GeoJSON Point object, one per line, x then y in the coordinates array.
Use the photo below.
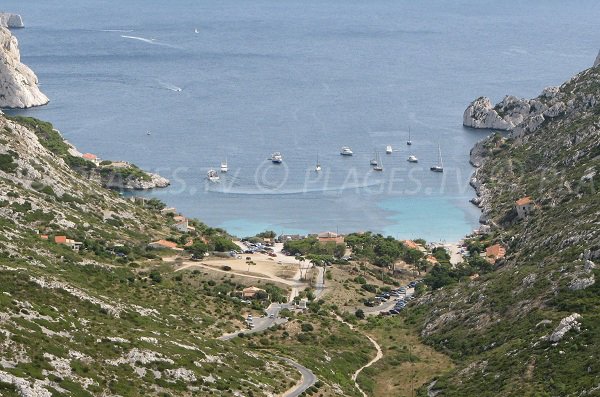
{"type": "Point", "coordinates": [277, 158]}
{"type": "Point", "coordinates": [346, 151]}
{"type": "Point", "coordinates": [212, 176]}
{"type": "Point", "coordinates": [440, 166]}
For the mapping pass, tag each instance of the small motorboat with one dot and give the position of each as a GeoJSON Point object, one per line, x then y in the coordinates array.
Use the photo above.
{"type": "Point", "coordinates": [346, 151]}
{"type": "Point", "coordinates": [412, 159]}
{"type": "Point", "coordinates": [277, 158]}
{"type": "Point", "coordinates": [212, 176]}
{"type": "Point", "coordinates": [224, 167]}
{"type": "Point", "coordinates": [388, 149]}
{"type": "Point", "coordinates": [379, 165]}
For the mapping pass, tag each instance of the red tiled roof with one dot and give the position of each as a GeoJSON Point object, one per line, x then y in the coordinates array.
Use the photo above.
{"type": "Point", "coordinates": [524, 201]}
{"type": "Point", "coordinates": [495, 251]}
{"type": "Point", "coordinates": [60, 239]}
{"type": "Point", "coordinates": [410, 244]}
{"type": "Point", "coordinates": [89, 156]}
{"type": "Point", "coordinates": [165, 243]}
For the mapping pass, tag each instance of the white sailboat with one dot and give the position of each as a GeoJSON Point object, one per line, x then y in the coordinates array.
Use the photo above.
{"type": "Point", "coordinates": [224, 167]}
{"type": "Point", "coordinates": [212, 176]}
{"type": "Point", "coordinates": [440, 166]}
{"type": "Point", "coordinates": [318, 166]}
{"type": "Point", "coordinates": [374, 161]}
{"type": "Point", "coordinates": [409, 142]}
{"type": "Point", "coordinates": [379, 166]}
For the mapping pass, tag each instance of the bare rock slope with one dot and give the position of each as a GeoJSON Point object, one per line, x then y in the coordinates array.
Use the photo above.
{"type": "Point", "coordinates": [18, 84]}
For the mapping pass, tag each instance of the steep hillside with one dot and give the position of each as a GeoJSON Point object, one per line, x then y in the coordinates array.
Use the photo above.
{"type": "Point", "coordinates": [110, 318]}
{"type": "Point", "coordinates": [530, 323]}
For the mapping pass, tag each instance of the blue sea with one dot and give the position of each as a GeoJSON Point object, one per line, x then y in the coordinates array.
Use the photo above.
{"type": "Point", "coordinates": [238, 80]}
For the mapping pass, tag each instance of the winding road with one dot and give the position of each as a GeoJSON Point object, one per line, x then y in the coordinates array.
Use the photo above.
{"type": "Point", "coordinates": [308, 379]}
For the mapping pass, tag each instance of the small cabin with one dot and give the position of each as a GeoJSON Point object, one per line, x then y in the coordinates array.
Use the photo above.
{"type": "Point", "coordinates": [524, 206]}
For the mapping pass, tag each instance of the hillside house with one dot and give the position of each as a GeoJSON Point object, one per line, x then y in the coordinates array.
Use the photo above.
{"type": "Point", "coordinates": [494, 252]}
{"type": "Point", "coordinates": [184, 226]}
{"type": "Point", "coordinates": [91, 157]}
{"type": "Point", "coordinates": [164, 244]}
{"type": "Point", "coordinates": [250, 292]}
{"type": "Point", "coordinates": [524, 207]}
{"type": "Point", "coordinates": [63, 240]}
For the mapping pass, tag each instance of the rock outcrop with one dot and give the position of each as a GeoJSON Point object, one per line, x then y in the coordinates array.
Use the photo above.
{"type": "Point", "coordinates": [11, 21]}
{"type": "Point", "coordinates": [566, 324]}
{"type": "Point", "coordinates": [116, 181]}
{"type": "Point", "coordinates": [481, 114]}
{"type": "Point", "coordinates": [597, 61]}
{"type": "Point", "coordinates": [18, 83]}
{"type": "Point", "coordinates": [511, 113]}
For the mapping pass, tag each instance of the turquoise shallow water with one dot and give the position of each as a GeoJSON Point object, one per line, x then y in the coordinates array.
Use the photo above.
{"type": "Point", "coordinates": [303, 78]}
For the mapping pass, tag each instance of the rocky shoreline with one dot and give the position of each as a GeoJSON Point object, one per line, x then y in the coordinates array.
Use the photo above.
{"type": "Point", "coordinates": [518, 117]}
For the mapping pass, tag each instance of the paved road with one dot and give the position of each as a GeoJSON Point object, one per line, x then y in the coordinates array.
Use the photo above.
{"type": "Point", "coordinates": [308, 379]}
{"type": "Point", "coordinates": [320, 283]}
{"type": "Point", "coordinates": [264, 322]}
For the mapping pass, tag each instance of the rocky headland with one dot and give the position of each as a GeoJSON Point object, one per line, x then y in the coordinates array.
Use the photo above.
{"type": "Point", "coordinates": [18, 84]}
{"type": "Point", "coordinates": [11, 21]}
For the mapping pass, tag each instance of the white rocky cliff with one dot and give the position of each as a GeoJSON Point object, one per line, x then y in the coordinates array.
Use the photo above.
{"type": "Point", "coordinates": [9, 20]}
{"type": "Point", "coordinates": [18, 83]}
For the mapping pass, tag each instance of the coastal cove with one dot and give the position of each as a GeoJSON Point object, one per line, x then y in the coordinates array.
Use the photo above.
{"type": "Point", "coordinates": [303, 79]}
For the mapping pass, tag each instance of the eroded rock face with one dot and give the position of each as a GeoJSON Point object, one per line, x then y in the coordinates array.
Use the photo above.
{"type": "Point", "coordinates": [18, 83]}
{"type": "Point", "coordinates": [481, 114]}
{"type": "Point", "coordinates": [511, 113]}
{"type": "Point", "coordinates": [597, 61]}
{"type": "Point", "coordinates": [11, 21]}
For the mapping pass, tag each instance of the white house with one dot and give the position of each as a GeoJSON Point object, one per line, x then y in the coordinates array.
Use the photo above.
{"type": "Point", "coordinates": [184, 226]}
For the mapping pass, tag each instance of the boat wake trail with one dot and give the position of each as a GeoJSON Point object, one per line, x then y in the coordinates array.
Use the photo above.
{"type": "Point", "coordinates": [150, 41]}
{"type": "Point", "coordinates": [265, 190]}
{"type": "Point", "coordinates": [169, 87]}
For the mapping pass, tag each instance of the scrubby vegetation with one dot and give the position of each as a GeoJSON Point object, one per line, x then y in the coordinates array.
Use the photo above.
{"type": "Point", "coordinates": [497, 326]}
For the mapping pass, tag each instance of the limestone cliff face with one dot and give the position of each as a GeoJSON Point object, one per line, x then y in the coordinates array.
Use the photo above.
{"type": "Point", "coordinates": [9, 20]}
{"type": "Point", "coordinates": [18, 83]}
